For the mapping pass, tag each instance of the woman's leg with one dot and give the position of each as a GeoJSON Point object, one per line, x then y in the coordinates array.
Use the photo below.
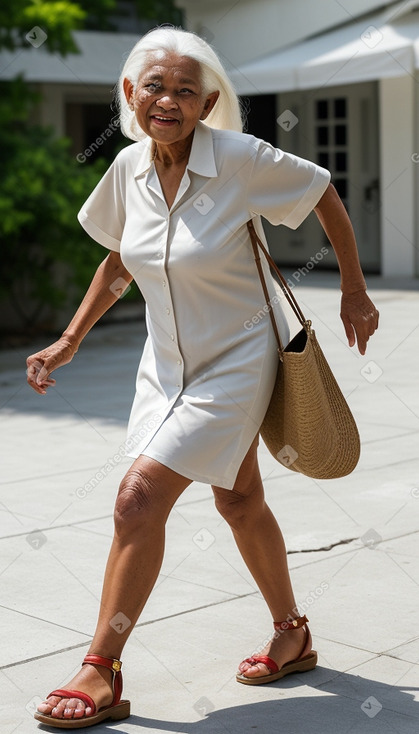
{"type": "Point", "coordinates": [262, 547]}
{"type": "Point", "coordinates": [146, 495]}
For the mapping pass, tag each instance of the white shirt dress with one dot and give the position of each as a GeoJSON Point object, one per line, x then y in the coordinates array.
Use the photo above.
{"type": "Point", "coordinates": [209, 362]}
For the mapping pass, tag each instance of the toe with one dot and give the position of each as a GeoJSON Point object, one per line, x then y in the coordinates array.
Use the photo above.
{"type": "Point", "coordinates": [46, 706]}
{"type": "Point", "coordinates": [75, 709]}
{"type": "Point", "coordinates": [255, 671]}
{"type": "Point", "coordinates": [58, 710]}
{"type": "Point", "coordinates": [82, 710]}
{"type": "Point", "coordinates": [244, 667]}
{"type": "Point", "coordinates": [70, 707]}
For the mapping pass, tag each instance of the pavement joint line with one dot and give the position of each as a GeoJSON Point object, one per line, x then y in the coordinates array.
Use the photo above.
{"type": "Point", "coordinates": [69, 648]}
{"type": "Point", "coordinates": [368, 442]}
{"type": "Point", "coordinates": [403, 403]}
{"type": "Point", "coordinates": [330, 497]}
{"type": "Point", "coordinates": [164, 577]}
{"type": "Point", "coordinates": [61, 513]}
{"type": "Point", "coordinates": [200, 586]}
{"type": "Point", "coordinates": [139, 624]}
{"type": "Point", "coordinates": [16, 727]}
{"type": "Point", "coordinates": [50, 476]}
{"type": "Point", "coordinates": [389, 555]}
{"type": "Point", "coordinates": [31, 518]}
{"type": "Point", "coordinates": [167, 669]}
{"type": "Point", "coordinates": [236, 570]}
{"type": "Point", "coordinates": [7, 509]}
{"type": "Point", "coordinates": [403, 462]}
{"type": "Point", "coordinates": [388, 654]}
{"type": "Point", "coordinates": [289, 552]}
{"type": "Point", "coordinates": [10, 564]}
{"type": "Point", "coordinates": [372, 441]}
{"type": "Point", "coordinates": [78, 580]}
{"type": "Point", "coordinates": [352, 550]}
{"type": "Point", "coordinates": [374, 655]}
{"type": "Point", "coordinates": [401, 342]}
{"type": "Point", "coordinates": [46, 621]}
{"type": "Point", "coordinates": [358, 697]}
{"type": "Point", "coordinates": [48, 528]}
{"type": "Point", "coordinates": [206, 499]}
{"type": "Point", "coordinates": [12, 682]}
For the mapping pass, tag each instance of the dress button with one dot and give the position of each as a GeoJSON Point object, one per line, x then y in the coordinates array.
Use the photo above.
{"type": "Point", "coordinates": [179, 362]}
{"type": "Point", "coordinates": [172, 336]}
{"type": "Point", "coordinates": [167, 310]}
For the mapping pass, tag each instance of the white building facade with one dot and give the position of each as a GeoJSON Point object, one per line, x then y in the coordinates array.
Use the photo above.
{"type": "Point", "coordinates": [339, 81]}
{"type": "Point", "coordinates": [335, 81]}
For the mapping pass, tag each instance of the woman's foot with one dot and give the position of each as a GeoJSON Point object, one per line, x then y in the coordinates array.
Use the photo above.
{"type": "Point", "coordinates": [284, 647]}
{"type": "Point", "coordinates": [95, 681]}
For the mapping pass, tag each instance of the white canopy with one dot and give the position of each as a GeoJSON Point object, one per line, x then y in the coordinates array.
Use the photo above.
{"type": "Point", "coordinates": [100, 60]}
{"type": "Point", "coordinates": [361, 51]}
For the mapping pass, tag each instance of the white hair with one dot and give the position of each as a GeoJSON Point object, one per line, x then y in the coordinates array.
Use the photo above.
{"type": "Point", "coordinates": [158, 43]}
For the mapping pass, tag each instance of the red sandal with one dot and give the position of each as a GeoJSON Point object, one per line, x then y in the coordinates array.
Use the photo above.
{"type": "Point", "coordinates": [307, 659]}
{"type": "Point", "coordinates": [116, 711]}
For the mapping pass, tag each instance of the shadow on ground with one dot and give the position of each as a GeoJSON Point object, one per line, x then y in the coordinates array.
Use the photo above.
{"type": "Point", "coordinates": [344, 703]}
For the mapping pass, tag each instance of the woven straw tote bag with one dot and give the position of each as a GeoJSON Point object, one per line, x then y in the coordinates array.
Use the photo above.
{"type": "Point", "coordinates": [308, 426]}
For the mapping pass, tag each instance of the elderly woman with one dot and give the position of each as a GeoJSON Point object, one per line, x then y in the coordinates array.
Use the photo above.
{"type": "Point", "coordinates": [172, 209]}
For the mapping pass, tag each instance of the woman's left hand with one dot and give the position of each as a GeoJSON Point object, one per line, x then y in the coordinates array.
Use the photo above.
{"type": "Point", "coordinates": [360, 318]}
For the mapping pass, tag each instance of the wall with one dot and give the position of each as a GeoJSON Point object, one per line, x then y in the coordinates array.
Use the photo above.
{"type": "Point", "coordinates": [398, 164]}
{"type": "Point", "coordinates": [243, 30]}
{"type": "Point", "coordinates": [55, 96]}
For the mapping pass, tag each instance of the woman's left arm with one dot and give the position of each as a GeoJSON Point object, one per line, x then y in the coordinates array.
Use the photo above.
{"type": "Point", "coordinates": [358, 313]}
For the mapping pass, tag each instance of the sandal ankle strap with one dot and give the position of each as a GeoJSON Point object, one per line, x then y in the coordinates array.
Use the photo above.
{"type": "Point", "coordinates": [110, 663]}
{"type": "Point", "coordinates": [294, 624]}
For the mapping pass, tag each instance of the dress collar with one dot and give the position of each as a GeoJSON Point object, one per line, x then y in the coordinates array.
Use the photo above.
{"type": "Point", "coordinates": [201, 158]}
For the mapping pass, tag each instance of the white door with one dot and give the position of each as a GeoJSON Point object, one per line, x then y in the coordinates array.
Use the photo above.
{"type": "Point", "coordinates": [336, 127]}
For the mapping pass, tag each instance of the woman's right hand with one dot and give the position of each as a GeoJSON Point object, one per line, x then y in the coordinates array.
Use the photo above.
{"type": "Point", "coordinates": [41, 364]}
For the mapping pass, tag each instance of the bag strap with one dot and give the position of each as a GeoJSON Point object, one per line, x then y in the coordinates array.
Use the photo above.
{"type": "Point", "coordinates": [282, 282]}
{"type": "Point", "coordinates": [265, 290]}
{"type": "Point", "coordinates": [256, 244]}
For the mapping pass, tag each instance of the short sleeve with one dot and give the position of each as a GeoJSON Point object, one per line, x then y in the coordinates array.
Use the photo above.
{"type": "Point", "coordinates": [284, 188]}
{"type": "Point", "coordinates": [103, 213]}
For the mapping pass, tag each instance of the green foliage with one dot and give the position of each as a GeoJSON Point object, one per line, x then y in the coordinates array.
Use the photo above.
{"type": "Point", "coordinates": [159, 11]}
{"type": "Point", "coordinates": [58, 18]}
{"type": "Point", "coordinates": [47, 259]}
{"type": "Point", "coordinates": [41, 190]}
{"type": "Point", "coordinates": [98, 13]}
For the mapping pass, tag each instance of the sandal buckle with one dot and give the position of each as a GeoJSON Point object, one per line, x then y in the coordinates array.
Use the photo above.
{"type": "Point", "coordinates": [116, 665]}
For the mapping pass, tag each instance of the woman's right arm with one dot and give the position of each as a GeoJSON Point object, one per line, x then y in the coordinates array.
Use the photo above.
{"type": "Point", "coordinates": [108, 283]}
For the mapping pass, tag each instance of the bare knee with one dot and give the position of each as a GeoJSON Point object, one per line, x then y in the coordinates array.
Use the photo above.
{"type": "Point", "coordinates": [237, 509]}
{"type": "Point", "coordinates": [139, 503]}
{"type": "Point", "coordinates": [243, 504]}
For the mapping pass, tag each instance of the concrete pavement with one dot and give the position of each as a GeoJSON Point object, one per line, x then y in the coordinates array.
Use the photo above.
{"type": "Point", "coordinates": [352, 544]}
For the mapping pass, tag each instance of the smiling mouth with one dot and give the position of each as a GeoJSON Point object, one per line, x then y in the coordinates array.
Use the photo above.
{"type": "Point", "coordinates": [164, 120]}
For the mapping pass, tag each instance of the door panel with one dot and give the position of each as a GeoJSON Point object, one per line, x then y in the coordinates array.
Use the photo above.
{"type": "Point", "coordinates": [338, 129]}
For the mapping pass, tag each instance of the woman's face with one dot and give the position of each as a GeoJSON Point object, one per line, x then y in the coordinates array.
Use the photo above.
{"type": "Point", "coordinates": [168, 99]}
